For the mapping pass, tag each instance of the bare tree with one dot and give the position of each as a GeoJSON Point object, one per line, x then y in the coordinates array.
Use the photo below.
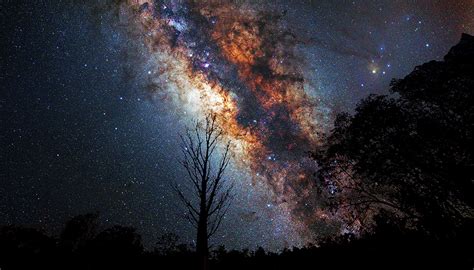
{"type": "Point", "coordinates": [210, 195]}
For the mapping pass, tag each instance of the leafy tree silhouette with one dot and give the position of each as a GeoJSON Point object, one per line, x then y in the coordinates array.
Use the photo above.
{"type": "Point", "coordinates": [78, 232]}
{"type": "Point", "coordinates": [167, 244]}
{"type": "Point", "coordinates": [20, 246]}
{"type": "Point", "coordinates": [117, 241]}
{"type": "Point", "coordinates": [24, 240]}
{"type": "Point", "coordinates": [412, 152]}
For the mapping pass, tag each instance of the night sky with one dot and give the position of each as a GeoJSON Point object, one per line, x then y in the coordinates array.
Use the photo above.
{"type": "Point", "coordinates": [93, 95]}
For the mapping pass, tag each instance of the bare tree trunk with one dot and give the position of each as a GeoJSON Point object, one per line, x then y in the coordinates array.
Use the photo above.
{"type": "Point", "coordinates": [202, 248]}
{"type": "Point", "coordinates": [202, 245]}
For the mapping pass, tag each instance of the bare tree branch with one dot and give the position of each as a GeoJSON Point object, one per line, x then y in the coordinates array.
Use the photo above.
{"type": "Point", "coordinates": [213, 195]}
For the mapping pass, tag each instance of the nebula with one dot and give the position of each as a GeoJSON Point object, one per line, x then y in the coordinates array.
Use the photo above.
{"type": "Point", "coordinates": [241, 64]}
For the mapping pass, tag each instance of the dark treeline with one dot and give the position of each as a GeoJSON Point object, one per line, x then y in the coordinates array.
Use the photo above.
{"type": "Point", "coordinates": [81, 246]}
{"type": "Point", "coordinates": [401, 166]}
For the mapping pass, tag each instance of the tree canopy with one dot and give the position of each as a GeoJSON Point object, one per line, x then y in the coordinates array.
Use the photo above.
{"type": "Point", "coordinates": [410, 152]}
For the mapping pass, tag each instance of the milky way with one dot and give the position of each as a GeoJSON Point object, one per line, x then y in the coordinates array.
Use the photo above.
{"type": "Point", "coordinates": [238, 62]}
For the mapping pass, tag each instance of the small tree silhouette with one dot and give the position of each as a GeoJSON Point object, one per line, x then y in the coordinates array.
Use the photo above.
{"type": "Point", "coordinates": [78, 232]}
{"type": "Point", "coordinates": [167, 244]}
{"type": "Point", "coordinates": [209, 190]}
